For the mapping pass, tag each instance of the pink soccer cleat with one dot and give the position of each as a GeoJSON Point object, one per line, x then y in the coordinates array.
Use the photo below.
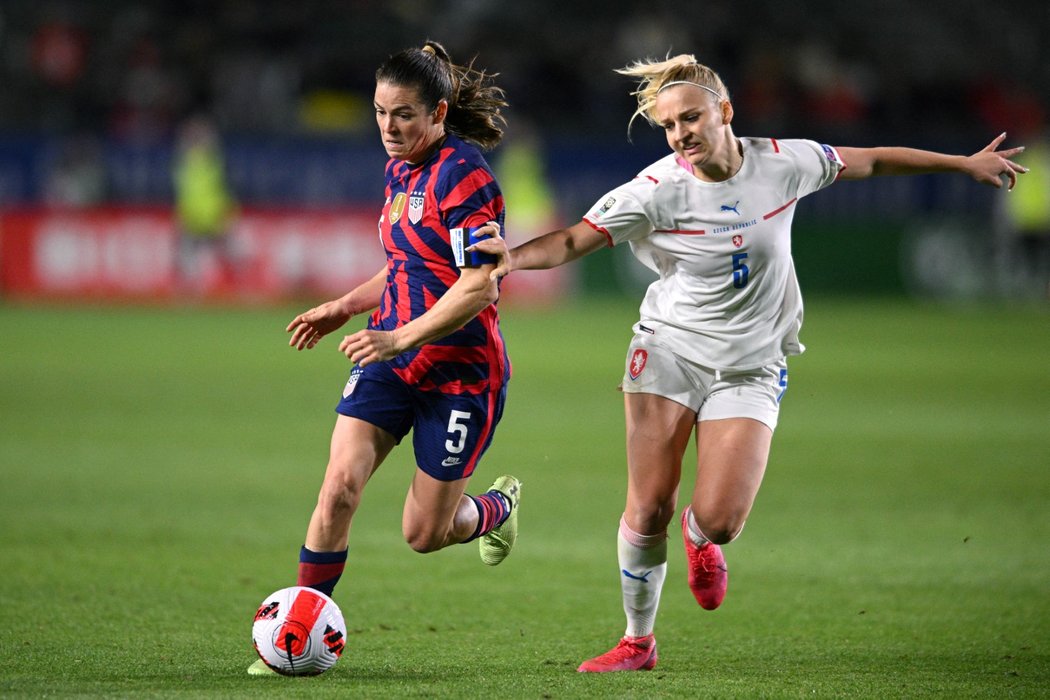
{"type": "Point", "coordinates": [708, 575]}
{"type": "Point", "coordinates": [631, 654]}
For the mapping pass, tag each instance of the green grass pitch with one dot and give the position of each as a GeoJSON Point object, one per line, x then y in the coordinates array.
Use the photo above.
{"type": "Point", "coordinates": [159, 465]}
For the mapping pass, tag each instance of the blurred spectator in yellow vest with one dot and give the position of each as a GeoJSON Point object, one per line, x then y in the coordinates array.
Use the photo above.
{"type": "Point", "coordinates": [1026, 213]}
{"type": "Point", "coordinates": [522, 176]}
{"type": "Point", "coordinates": [204, 210]}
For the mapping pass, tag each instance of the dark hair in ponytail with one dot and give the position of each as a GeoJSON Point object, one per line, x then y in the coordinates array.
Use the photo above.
{"type": "Point", "coordinates": [474, 102]}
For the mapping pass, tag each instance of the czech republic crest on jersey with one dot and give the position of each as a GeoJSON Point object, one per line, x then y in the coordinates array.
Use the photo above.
{"type": "Point", "coordinates": [453, 188]}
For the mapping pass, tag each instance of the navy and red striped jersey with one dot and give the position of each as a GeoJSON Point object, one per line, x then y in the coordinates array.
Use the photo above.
{"type": "Point", "coordinates": [453, 188]}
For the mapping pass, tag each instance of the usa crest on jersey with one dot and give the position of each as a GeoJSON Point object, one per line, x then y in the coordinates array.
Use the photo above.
{"type": "Point", "coordinates": [415, 207]}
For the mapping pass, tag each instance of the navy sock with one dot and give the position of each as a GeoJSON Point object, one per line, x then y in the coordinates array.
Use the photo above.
{"type": "Point", "coordinates": [320, 570]}
{"type": "Point", "coordinates": [493, 510]}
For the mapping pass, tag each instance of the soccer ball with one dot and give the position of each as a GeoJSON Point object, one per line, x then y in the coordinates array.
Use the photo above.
{"type": "Point", "coordinates": [299, 631]}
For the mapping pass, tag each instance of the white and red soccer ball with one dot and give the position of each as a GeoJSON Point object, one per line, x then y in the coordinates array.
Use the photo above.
{"type": "Point", "coordinates": [299, 631]}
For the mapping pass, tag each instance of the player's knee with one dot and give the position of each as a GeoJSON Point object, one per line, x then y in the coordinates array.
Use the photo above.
{"type": "Point", "coordinates": [723, 535]}
{"type": "Point", "coordinates": [422, 537]}
{"type": "Point", "coordinates": [338, 497]}
{"type": "Point", "coordinates": [720, 528]}
{"type": "Point", "coordinates": [423, 542]}
{"type": "Point", "coordinates": [651, 517]}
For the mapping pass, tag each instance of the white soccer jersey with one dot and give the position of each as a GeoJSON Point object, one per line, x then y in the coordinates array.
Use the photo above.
{"type": "Point", "coordinates": [727, 296]}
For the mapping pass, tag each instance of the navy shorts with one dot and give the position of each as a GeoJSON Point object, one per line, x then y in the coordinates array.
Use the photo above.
{"type": "Point", "coordinates": [450, 432]}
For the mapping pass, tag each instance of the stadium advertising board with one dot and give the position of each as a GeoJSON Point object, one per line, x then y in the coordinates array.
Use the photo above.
{"type": "Point", "coordinates": [133, 253]}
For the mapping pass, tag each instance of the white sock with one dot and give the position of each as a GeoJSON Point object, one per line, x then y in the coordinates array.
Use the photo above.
{"type": "Point", "coordinates": [643, 567]}
{"type": "Point", "coordinates": [694, 530]}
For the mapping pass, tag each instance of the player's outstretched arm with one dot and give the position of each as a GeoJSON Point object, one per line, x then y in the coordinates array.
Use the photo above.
{"type": "Point", "coordinates": [987, 166]}
{"type": "Point", "coordinates": [309, 327]}
{"type": "Point", "coordinates": [544, 252]}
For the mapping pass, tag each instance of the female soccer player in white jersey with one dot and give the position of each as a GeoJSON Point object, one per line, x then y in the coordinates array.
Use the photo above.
{"type": "Point", "coordinates": [713, 219]}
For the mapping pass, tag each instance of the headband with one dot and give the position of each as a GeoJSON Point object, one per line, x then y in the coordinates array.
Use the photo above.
{"type": "Point", "coordinates": [689, 82]}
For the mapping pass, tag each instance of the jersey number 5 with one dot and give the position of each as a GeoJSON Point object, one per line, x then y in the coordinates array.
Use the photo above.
{"type": "Point", "coordinates": [458, 431]}
{"type": "Point", "coordinates": [740, 271]}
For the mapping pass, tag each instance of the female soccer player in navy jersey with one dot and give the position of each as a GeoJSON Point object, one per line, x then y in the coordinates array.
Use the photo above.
{"type": "Point", "coordinates": [432, 358]}
{"type": "Point", "coordinates": [713, 219]}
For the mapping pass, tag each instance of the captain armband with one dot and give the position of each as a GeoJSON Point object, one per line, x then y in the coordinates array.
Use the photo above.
{"type": "Point", "coordinates": [463, 238]}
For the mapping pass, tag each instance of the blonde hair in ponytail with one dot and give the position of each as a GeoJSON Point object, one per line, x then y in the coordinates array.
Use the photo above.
{"type": "Point", "coordinates": [653, 76]}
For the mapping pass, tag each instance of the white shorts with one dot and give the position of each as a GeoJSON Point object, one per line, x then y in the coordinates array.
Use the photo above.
{"type": "Point", "coordinates": [714, 394]}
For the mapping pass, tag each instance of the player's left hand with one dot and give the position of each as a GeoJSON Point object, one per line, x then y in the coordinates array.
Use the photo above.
{"type": "Point", "coordinates": [368, 346]}
{"type": "Point", "coordinates": [989, 166]}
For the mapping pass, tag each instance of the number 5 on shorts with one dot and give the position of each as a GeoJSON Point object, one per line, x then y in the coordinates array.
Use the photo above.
{"type": "Point", "coordinates": [458, 430]}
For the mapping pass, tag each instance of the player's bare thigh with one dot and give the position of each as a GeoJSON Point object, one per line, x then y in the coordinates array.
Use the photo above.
{"type": "Point", "coordinates": [357, 449]}
{"type": "Point", "coordinates": [658, 432]}
{"type": "Point", "coordinates": [731, 460]}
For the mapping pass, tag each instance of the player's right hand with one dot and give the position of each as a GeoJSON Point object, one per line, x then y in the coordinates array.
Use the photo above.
{"type": "Point", "coordinates": [309, 327]}
{"type": "Point", "coordinates": [991, 166]}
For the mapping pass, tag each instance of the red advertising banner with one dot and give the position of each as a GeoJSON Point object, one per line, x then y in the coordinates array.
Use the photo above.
{"type": "Point", "coordinates": [136, 253]}
{"type": "Point", "coordinates": [99, 252]}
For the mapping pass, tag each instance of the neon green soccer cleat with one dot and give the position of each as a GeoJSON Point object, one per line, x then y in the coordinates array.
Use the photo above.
{"type": "Point", "coordinates": [259, 668]}
{"type": "Point", "coordinates": [496, 545]}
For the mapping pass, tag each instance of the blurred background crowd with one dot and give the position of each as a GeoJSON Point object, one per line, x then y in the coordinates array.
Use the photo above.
{"type": "Point", "coordinates": [98, 96]}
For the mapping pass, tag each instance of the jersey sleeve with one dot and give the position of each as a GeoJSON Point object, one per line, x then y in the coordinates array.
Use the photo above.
{"type": "Point", "coordinates": [818, 165]}
{"type": "Point", "coordinates": [623, 214]}
{"type": "Point", "coordinates": [472, 197]}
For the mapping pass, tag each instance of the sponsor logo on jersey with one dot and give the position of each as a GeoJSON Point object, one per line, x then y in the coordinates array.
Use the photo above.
{"type": "Point", "coordinates": [397, 207]}
{"type": "Point", "coordinates": [638, 360]}
{"type": "Point", "coordinates": [606, 205]}
{"type": "Point", "coordinates": [732, 207]}
{"type": "Point", "coordinates": [415, 207]}
{"type": "Point", "coordinates": [450, 461]}
{"type": "Point", "coordinates": [738, 240]}
{"type": "Point", "coordinates": [830, 153]}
